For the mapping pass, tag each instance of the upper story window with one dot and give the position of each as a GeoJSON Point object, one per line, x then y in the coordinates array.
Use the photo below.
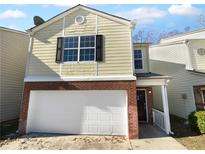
{"type": "Point", "coordinates": [138, 59]}
{"type": "Point", "coordinates": [87, 48]}
{"type": "Point", "coordinates": [70, 49]}
{"type": "Point", "coordinates": [79, 48]}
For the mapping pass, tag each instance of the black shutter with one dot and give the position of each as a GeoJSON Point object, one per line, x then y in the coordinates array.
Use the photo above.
{"type": "Point", "coordinates": [99, 47]}
{"type": "Point", "coordinates": [59, 50]}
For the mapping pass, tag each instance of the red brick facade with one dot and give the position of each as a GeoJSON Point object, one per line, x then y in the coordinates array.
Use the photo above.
{"type": "Point", "coordinates": [130, 86]}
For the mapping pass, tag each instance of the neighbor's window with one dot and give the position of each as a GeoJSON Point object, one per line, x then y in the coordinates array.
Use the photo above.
{"type": "Point", "coordinates": [203, 95]}
{"type": "Point", "coordinates": [138, 59]}
{"type": "Point", "coordinates": [79, 48]}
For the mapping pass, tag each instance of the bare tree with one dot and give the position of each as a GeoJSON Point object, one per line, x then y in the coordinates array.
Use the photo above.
{"type": "Point", "coordinates": [168, 34]}
{"type": "Point", "coordinates": [144, 37]}
{"type": "Point", "coordinates": [151, 36]}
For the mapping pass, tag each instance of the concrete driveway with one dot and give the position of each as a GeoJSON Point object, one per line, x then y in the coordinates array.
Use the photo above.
{"type": "Point", "coordinates": [150, 140]}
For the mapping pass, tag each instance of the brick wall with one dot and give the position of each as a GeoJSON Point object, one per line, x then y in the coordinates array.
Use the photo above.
{"type": "Point", "coordinates": [130, 86]}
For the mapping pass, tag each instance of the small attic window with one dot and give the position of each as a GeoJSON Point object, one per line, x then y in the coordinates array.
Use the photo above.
{"type": "Point", "coordinates": [79, 19]}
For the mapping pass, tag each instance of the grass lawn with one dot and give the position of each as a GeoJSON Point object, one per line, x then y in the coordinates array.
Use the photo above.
{"type": "Point", "coordinates": [184, 134]}
{"type": "Point", "coordinates": [8, 127]}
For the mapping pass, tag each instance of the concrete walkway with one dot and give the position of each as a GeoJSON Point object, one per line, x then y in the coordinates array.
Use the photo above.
{"type": "Point", "coordinates": [150, 138]}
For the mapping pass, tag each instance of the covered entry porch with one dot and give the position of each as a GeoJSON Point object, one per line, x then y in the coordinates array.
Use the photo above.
{"type": "Point", "coordinates": [148, 112]}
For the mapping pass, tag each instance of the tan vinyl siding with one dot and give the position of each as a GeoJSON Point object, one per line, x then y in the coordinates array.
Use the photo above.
{"type": "Point", "coordinates": [145, 56]}
{"type": "Point", "coordinates": [42, 58]}
{"type": "Point", "coordinates": [182, 83]}
{"type": "Point", "coordinates": [117, 48]}
{"type": "Point", "coordinates": [118, 52]}
{"type": "Point", "coordinates": [13, 52]}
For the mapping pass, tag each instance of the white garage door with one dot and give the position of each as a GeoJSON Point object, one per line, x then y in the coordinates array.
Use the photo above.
{"type": "Point", "coordinates": [102, 112]}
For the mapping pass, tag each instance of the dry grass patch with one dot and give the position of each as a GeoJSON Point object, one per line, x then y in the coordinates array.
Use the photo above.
{"type": "Point", "coordinates": [184, 134]}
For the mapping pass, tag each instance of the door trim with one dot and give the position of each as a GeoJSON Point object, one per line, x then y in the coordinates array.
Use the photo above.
{"type": "Point", "coordinates": [147, 116]}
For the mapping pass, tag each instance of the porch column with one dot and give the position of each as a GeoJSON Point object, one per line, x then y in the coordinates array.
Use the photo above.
{"type": "Point", "coordinates": [166, 109]}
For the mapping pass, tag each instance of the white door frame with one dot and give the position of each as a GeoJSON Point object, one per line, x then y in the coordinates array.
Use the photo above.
{"type": "Point", "coordinates": [144, 89]}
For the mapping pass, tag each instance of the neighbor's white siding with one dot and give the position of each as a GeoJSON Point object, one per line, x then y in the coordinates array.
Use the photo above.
{"type": "Point", "coordinates": [169, 58]}
{"type": "Point", "coordinates": [173, 53]}
{"type": "Point", "coordinates": [13, 52]}
{"type": "Point", "coordinates": [117, 48]}
{"type": "Point", "coordinates": [182, 82]}
{"type": "Point", "coordinates": [198, 61]}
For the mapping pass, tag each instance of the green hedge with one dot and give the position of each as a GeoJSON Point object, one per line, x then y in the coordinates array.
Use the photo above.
{"type": "Point", "coordinates": [197, 121]}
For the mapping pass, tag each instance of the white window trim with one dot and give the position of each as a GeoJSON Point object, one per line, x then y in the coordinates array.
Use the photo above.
{"type": "Point", "coordinates": [78, 48]}
{"type": "Point", "coordinates": [139, 59]}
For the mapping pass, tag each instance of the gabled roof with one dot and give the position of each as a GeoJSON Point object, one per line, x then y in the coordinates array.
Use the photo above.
{"type": "Point", "coordinates": [79, 6]}
{"type": "Point", "coordinates": [13, 30]}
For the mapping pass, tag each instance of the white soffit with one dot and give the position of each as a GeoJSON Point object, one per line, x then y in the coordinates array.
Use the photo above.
{"type": "Point", "coordinates": [78, 78]}
{"type": "Point", "coordinates": [152, 82]}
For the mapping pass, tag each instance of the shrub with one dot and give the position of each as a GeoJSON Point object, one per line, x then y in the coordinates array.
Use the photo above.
{"type": "Point", "coordinates": [197, 121]}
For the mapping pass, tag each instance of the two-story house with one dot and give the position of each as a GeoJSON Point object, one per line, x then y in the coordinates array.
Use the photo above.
{"type": "Point", "coordinates": [182, 57]}
{"type": "Point", "coordinates": [81, 77]}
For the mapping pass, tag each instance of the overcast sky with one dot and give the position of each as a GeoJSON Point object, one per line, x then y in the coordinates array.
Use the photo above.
{"type": "Point", "coordinates": [156, 17]}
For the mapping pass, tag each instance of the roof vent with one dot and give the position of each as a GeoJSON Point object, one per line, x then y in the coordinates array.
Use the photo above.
{"type": "Point", "coordinates": [38, 20]}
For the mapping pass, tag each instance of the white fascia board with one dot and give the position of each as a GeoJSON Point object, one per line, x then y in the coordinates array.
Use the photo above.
{"type": "Point", "coordinates": [167, 44]}
{"type": "Point", "coordinates": [128, 23]}
{"type": "Point", "coordinates": [79, 78]}
{"type": "Point", "coordinates": [109, 17]}
{"type": "Point", "coordinates": [32, 31]}
{"type": "Point", "coordinates": [152, 82]}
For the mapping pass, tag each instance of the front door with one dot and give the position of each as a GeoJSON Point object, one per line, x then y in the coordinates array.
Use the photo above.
{"type": "Point", "coordinates": [142, 105]}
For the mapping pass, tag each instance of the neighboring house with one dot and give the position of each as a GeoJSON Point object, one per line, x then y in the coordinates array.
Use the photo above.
{"type": "Point", "coordinates": [13, 51]}
{"type": "Point", "coordinates": [182, 57]}
{"type": "Point", "coordinates": [81, 77]}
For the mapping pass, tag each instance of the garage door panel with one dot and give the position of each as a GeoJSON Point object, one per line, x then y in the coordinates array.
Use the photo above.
{"type": "Point", "coordinates": [78, 112]}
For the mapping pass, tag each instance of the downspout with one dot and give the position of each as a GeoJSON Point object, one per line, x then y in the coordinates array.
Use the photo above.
{"type": "Point", "coordinates": [96, 33]}
{"type": "Point", "coordinates": [132, 27]}
{"type": "Point", "coordinates": [63, 34]}
{"type": "Point", "coordinates": [29, 54]}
